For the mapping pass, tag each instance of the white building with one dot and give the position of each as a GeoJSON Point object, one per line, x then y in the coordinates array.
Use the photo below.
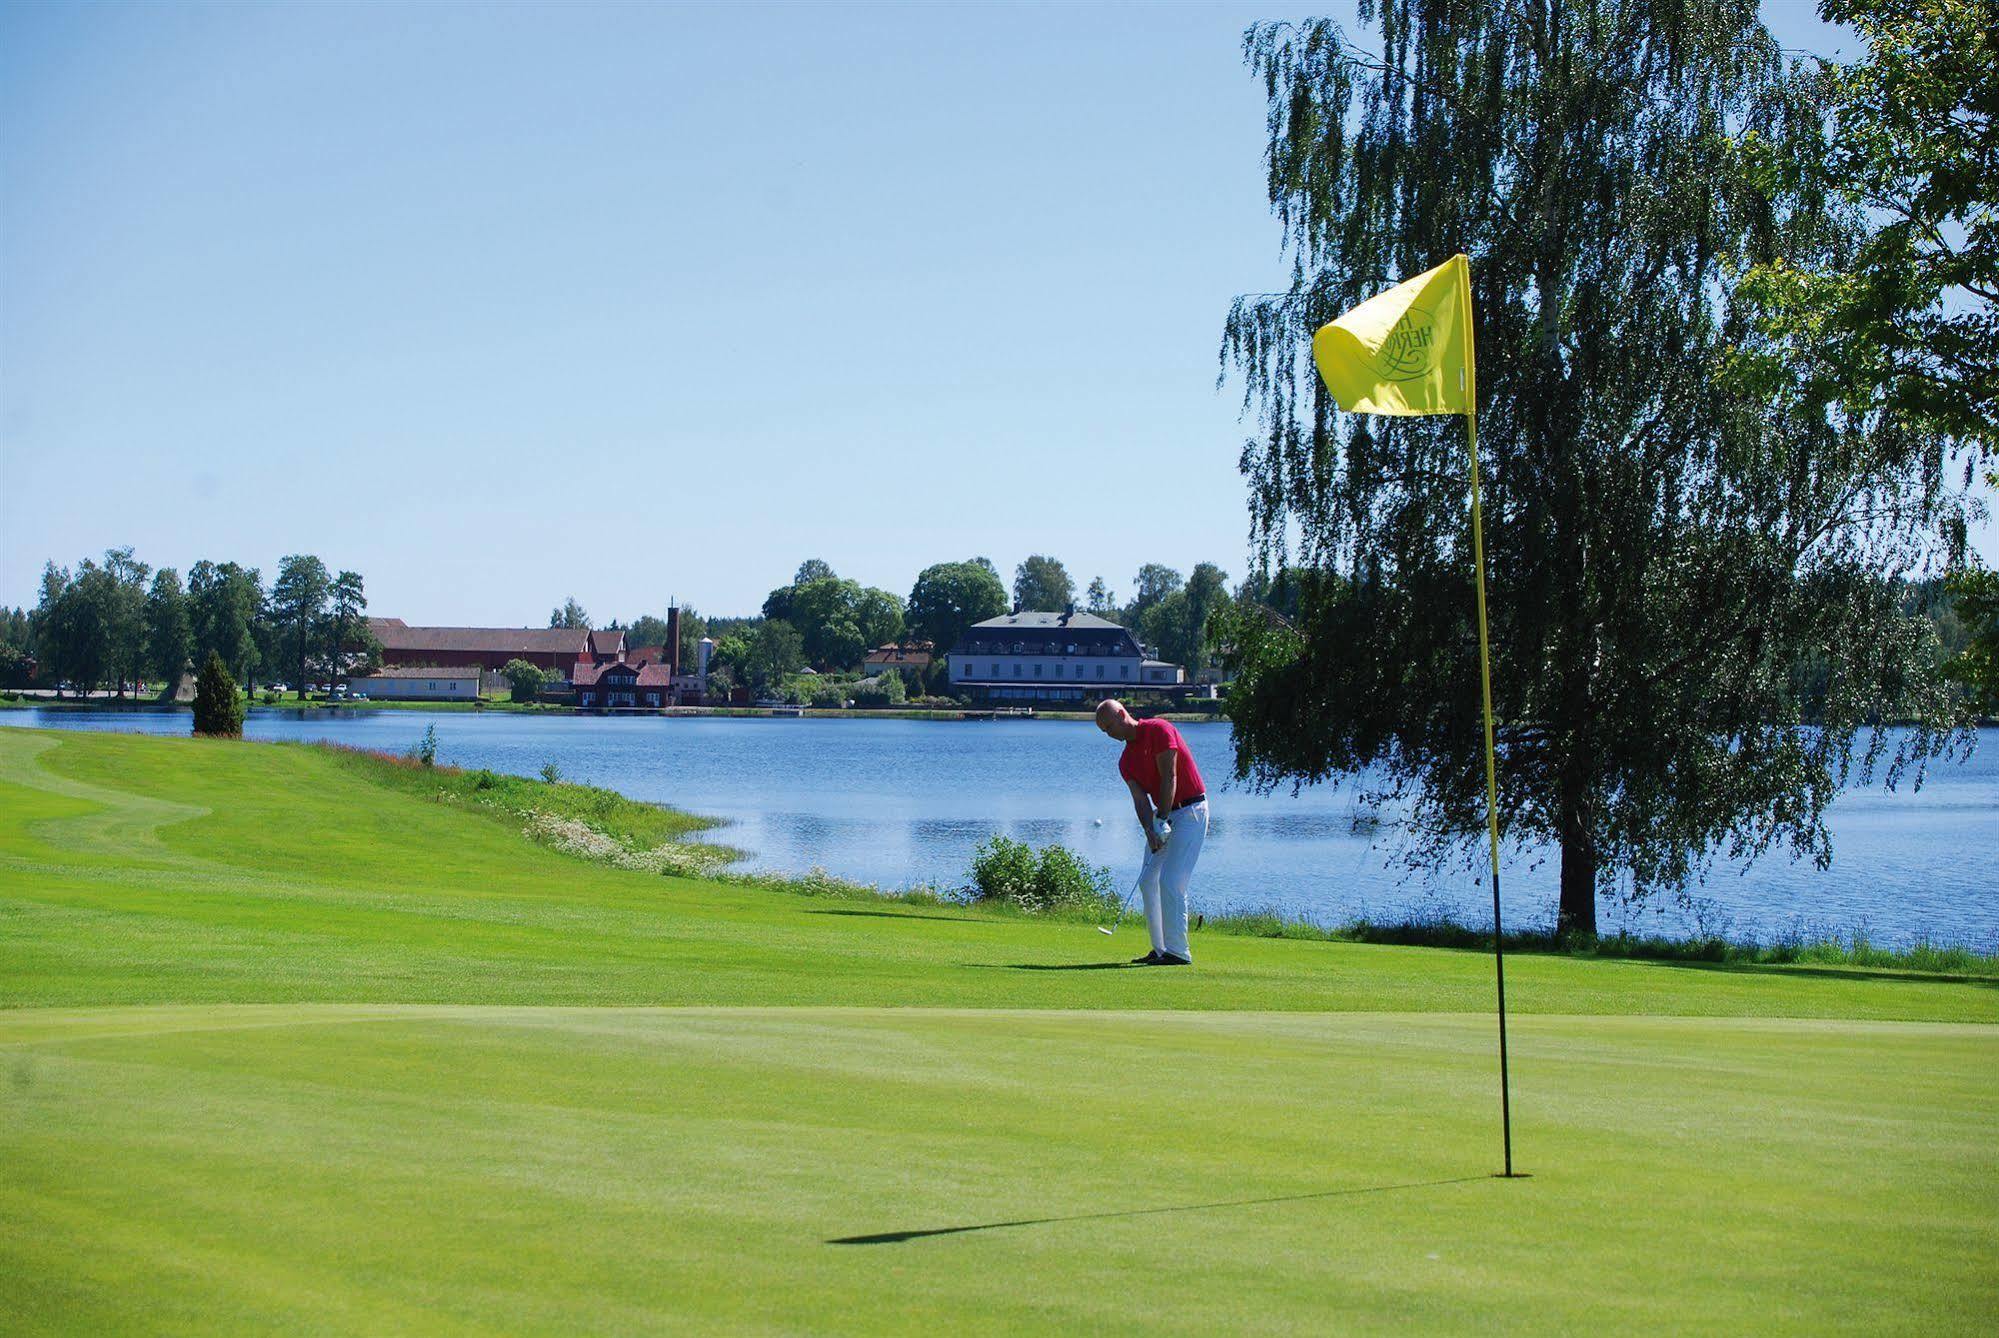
{"type": "Point", "coordinates": [419, 683]}
{"type": "Point", "coordinates": [1065, 656]}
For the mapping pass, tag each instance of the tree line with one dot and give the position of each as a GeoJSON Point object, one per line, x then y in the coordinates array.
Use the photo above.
{"type": "Point", "coordinates": [827, 623]}
{"type": "Point", "coordinates": [117, 623]}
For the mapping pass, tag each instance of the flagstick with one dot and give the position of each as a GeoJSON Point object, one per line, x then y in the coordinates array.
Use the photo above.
{"type": "Point", "coordinates": [1491, 782]}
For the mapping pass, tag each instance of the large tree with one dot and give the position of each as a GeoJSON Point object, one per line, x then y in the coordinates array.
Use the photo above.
{"type": "Point", "coordinates": [950, 596]}
{"type": "Point", "coordinates": [879, 614]}
{"type": "Point", "coordinates": [1906, 323]}
{"type": "Point", "coordinates": [1043, 584]}
{"type": "Point", "coordinates": [225, 604]}
{"type": "Point", "coordinates": [71, 625]}
{"type": "Point", "coordinates": [1669, 549]}
{"type": "Point", "coordinates": [569, 614]}
{"type": "Point", "coordinates": [771, 653]}
{"type": "Point", "coordinates": [1153, 583]}
{"type": "Point", "coordinates": [298, 610]}
{"type": "Point", "coordinates": [125, 617]}
{"type": "Point", "coordinates": [825, 612]}
{"type": "Point", "coordinates": [348, 637]}
{"type": "Point", "coordinates": [169, 632]}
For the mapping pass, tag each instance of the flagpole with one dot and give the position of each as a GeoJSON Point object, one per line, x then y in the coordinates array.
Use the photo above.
{"type": "Point", "coordinates": [1491, 780]}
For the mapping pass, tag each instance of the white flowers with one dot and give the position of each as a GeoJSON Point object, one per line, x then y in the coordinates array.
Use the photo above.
{"type": "Point", "coordinates": [572, 836]}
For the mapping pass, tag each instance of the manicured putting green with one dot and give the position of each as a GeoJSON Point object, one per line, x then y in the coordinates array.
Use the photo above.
{"type": "Point", "coordinates": [370, 1169]}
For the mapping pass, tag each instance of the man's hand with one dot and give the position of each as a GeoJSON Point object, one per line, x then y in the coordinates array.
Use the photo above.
{"type": "Point", "coordinates": [1153, 841]}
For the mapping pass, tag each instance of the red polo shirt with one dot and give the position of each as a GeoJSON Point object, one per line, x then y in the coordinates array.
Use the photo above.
{"type": "Point", "coordinates": [1140, 761]}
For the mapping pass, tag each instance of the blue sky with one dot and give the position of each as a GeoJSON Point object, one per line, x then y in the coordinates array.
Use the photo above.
{"type": "Point", "coordinates": [498, 305]}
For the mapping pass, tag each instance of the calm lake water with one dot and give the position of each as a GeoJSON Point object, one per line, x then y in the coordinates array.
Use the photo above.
{"type": "Point", "coordinates": [903, 802]}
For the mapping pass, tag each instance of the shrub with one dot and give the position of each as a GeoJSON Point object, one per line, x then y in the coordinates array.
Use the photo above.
{"type": "Point", "coordinates": [525, 679]}
{"type": "Point", "coordinates": [882, 691]}
{"type": "Point", "coordinates": [828, 696]}
{"type": "Point", "coordinates": [217, 710]}
{"type": "Point", "coordinates": [425, 748]}
{"type": "Point", "coordinates": [1009, 871]}
{"type": "Point", "coordinates": [550, 772]}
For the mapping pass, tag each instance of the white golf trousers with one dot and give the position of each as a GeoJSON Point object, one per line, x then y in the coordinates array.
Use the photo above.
{"type": "Point", "coordinates": [1164, 878]}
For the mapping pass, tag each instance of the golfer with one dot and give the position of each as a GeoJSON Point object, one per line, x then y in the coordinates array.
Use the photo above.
{"type": "Point", "coordinates": [1165, 784]}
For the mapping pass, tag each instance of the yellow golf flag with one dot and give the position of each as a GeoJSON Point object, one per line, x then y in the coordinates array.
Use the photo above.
{"type": "Point", "coordinates": [1405, 351]}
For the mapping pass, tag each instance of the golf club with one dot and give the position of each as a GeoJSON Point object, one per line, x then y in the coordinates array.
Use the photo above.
{"type": "Point", "coordinates": [1165, 830]}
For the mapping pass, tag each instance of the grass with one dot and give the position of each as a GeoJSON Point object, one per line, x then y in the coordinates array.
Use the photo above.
{"type": "Point", "coordinates": [291, 1040]}
{"type": "Point", "coordinates": [1811, 950]}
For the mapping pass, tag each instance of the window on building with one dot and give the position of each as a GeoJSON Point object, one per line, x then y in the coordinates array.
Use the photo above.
{"type": "Point", "coordinates": [1124, 671]}
{"type": "Point", "coordinates": [1100, 671]}
{"type": "Point", "coordinates": [1037, 671]}
{"type": "Point", "coordinates": [1016, 668]}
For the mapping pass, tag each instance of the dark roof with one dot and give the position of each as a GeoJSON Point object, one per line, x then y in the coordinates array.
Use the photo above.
{"type": "Point", "coordinates": [645, 654]}
{"type": "Point", "coordinates": [1046, 634]}
{"type": "Point", "coordinates": [1050, 621]}
{"type": "Point", "coordinates": [916, 656]}
{"type": "Point", "coordinates": [397, 635]}
{"type": "Point", "coordinates": [421, 671]}
{"type": "Point", "coordinates": [642, 676]}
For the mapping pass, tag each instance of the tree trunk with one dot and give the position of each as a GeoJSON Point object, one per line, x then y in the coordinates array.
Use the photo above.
{"type": "Point", "coordinates": [1577, 913]}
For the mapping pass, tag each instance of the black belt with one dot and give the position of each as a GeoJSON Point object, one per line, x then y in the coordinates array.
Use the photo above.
{"type": "Point", "coordinates": [1189, 803]}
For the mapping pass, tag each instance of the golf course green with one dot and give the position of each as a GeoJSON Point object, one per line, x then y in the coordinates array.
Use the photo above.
{"type": "Point", "coordinates": [288, 1048]}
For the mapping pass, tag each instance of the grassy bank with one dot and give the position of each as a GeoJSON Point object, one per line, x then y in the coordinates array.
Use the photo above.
{"type": "Point", "coordinates": [297, 1039]}
{"type": "Point", "coordinates": [634, 834]}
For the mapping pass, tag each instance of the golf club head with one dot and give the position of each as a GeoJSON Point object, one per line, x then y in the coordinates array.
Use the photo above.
{"type": "Point", "coordinates": [1102, 930]}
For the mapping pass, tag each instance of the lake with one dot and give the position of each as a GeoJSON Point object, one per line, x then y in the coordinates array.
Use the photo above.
{"type": "Point", "coordinates": [902, 802]}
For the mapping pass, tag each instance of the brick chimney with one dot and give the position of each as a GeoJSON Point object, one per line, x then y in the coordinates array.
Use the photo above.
{"type": "Point", "coordinates": [670, 652]}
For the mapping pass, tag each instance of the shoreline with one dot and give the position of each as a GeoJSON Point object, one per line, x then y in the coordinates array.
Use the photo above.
{"type": "Point", "coordinates": [1827, 942]}
{"type": "Point", "coordinates": [683, 853]}
{"type": "Point", "coordinates": [976, 714]}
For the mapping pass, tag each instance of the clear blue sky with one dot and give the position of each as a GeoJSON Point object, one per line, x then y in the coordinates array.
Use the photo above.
{"type": "Point", "coordinates": [497, 305]}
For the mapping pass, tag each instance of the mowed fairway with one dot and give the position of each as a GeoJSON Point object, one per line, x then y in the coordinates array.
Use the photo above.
{"type": "Point", "coordinates": [289, 1051]}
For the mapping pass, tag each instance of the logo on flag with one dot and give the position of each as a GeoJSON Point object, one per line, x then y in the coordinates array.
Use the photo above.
{"type": "Point", "coordinates": [1405, 351]}
{"type": "Point", "coordinates": [1410, 348]}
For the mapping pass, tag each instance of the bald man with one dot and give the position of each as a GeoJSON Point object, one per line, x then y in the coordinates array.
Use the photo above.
{"type": "Point", "coordinates": [1158, 768]}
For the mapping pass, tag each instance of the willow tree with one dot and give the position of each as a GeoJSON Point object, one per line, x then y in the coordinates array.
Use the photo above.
{"type": "Point", "coordinates": [1691, 572]}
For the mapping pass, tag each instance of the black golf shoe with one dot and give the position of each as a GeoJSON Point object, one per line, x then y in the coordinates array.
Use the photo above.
{"type": "Point", "coordinates": [1168, 959]}
{"type": "Point", "coordinates": [1150, 959]}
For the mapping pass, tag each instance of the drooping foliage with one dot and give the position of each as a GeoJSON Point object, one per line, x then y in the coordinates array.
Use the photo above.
{"type": "Point", "coordinates": [1684, 568]}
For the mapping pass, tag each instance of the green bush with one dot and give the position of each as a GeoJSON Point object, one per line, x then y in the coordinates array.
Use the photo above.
{"type": "Point", "coordinates": [525, 679]}
{"type": "Point", "coordinates": [885, 690]}
{"type": "Point", "coordinates": [829, 696]}
{"type": "Point", "coordinates": [217, 709]}
{"type": "Point", "coordinates": [1011, 872]}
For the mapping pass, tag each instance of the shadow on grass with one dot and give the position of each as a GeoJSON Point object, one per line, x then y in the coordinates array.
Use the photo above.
{"type": "Point", "coordinates": [1811, 969]}
{"type": "Point", "coordinates": [1050, 966]}
{"type": "Point", "coordinates": [900, 1237]}
{"type": "Point", "coordinates": [892, 915]}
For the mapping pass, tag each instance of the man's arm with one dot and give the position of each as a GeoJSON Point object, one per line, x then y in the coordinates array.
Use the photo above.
{"type": "Point", "coordinates": [1167, 780]}
{"type": "Point", "coordinates": [1141, 803]}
